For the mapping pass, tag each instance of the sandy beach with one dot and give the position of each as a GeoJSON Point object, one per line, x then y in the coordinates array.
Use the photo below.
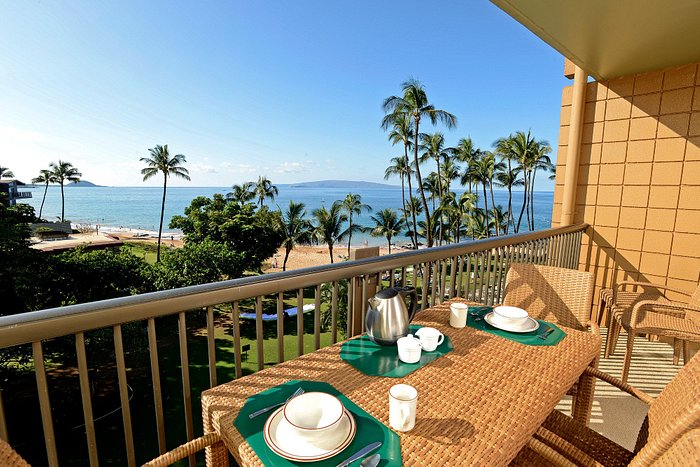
{"type": "Point", "coordinates": [308, 256]}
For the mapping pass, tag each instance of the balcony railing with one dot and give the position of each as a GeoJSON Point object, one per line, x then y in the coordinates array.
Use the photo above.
{"type": "Point", "coordinates": [474, 270]}
{"type": "Point", "coordinates": [22, 194]}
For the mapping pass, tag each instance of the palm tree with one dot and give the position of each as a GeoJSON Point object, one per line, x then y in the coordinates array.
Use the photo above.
{"type": "Point", "coordinates": [62, 172]}
{"type": "Point", "coordinates": [265, 189]}
{"type": "Point", "coordinates": [402, 167]}
{"type": "Point", "coordinates": [509, 178]}
{"type": "Point", "coordinates": [329, 225]}
{"type": "Point", "coordinates": [522, 147]}
{"type": "Point", "coordinates": [45, 177]}
{"type": "Point", "coordinates": [414, 105]}
{"type": "Point", "coordinates": [161, 162]}
{"type": "Point", "coordinates": [541, 161]}
{"type": "Point", "coordinates": [388, 224]}
{"type": "Point", "coordinates": [466, 153]}
{"type": "Point", "coordinates": [403, 133]}
{"type": "Point", "coordinates": [5, 172]}
{"type": "Point", "coordinates": [295, 228]}
{"type": "Point", "coordinates": [414, 207]}
{"type": "Point", "coordinates": [431, 186]}
{"type": "Point", "coordinates": [449, 173]}
{"type": "Point", "coordinates": [433, 146]}
{"type": "Point", "coordinates": [353, 204]}
{"type": "Point", "coordinates": [242, 193]}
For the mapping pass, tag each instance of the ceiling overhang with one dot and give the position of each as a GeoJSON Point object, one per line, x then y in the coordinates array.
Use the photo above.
{"type": "Point", "coordinates": [613, 38]}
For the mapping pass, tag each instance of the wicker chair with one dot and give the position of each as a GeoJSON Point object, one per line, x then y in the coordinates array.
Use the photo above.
{"type": "Point", "coordinates": [559, 295]}
{"type": "Point", "coordinates": [184, 450]}
{"type": "Point", "coordinates": [9, 457]}
{"type": "Point", "coordinates": [677, 320]}
{"type": "Point", "coordinates": [670, 435]}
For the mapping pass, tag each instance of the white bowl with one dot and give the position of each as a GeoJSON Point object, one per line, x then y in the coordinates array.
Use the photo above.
{"type": "Point", "coordinates": [510, 315]}
{"type": "Point", "coordinates": [314, 413]}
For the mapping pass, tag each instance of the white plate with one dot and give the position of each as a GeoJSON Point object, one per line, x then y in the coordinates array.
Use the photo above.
{"type": "Point", "coordinates": [531, 325]}
{"type": "Point", "coordinates": [285, 441]}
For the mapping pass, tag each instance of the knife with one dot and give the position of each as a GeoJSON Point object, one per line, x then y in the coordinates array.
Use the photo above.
{"type": "Point", "coordinates": [361, 453]}
{"type": "Point", "coordinates": [543, 335]}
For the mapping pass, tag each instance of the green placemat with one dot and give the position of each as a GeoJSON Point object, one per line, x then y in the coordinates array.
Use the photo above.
{"type": "Point", "coordinates": [378, 360]}
{"type": "Point", "coordinates": [369, 429]}
{"type": "Point", "coordinates": [526, 338]}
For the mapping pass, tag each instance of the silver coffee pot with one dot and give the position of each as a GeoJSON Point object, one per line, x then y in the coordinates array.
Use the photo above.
{"type": "Point", "coordinates": [388, 315]}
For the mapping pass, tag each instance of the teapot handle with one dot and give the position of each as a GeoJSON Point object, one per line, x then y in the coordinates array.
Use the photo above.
{"type": "Point", "coordinates": [413, 300]}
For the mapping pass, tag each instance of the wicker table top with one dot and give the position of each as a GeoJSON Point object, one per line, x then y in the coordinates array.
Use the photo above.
{"type": "Point", "coordinates": [479, 404]}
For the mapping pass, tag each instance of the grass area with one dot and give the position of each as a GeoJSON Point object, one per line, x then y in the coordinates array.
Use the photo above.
{"type": "Point", "coordinates": [145, 250]}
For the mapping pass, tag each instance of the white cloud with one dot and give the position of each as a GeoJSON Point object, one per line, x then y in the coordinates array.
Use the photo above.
{"type": "Point", "coordinates": [19, 134]}
{"type": "Point", "coordinates": [239, 168]}
{"type": "Point", "coordinates": [292, 167]}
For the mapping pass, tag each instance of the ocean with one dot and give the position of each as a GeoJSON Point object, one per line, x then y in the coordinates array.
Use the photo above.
{"type": "Point", "coordinates": [138, 208]}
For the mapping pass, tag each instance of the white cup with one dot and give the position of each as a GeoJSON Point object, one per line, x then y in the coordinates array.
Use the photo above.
{"type": "Point", "coordinates": [458, 315]}
{"type": "Point", "coordinates": [403, 400]}
{"type": "Point", "coordinates": [430, 338]}
{"type": "Point", "coordinates": [409, 349]}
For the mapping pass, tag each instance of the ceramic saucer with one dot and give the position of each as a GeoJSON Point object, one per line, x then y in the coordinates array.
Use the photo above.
{"type": "Point", "coordinates": [285, 440]}
{"type": "Point", "coordinates": [529, 326]}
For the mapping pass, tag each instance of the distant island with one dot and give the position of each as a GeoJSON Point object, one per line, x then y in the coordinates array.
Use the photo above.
{"type": "Point", "coordinates": [339, 184]}
{"type": "Point", "coordinates": [83, 183]}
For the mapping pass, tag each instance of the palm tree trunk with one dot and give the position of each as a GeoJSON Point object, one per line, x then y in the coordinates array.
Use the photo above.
{"type": "Point", "coordinates": [63, 204]}
{"type": "Point", "coordinates": [527, 202]}
{"type": "Point", "coordinates": [349, 235]}
{"type": "Point", "coordinates": [162, 213]}
{"type": "Point", "coordinates": [287, 250]}
{"type": "Point", "coordinates": [330, 251]}
{"type": "Point", "coordinates": [493, 205]}
{"type": "Point", "coordinates": [532, 196]}
{"type": "Point", "coordinates": [439, 180]}
{"type": "Point", "coordinates": [414, 237]}
{"type": "Point", "coordinates": [522, 210]}
{"type": "Point", "coordinates": [486, 211]}
{"type": "Point", "coordinates": [510, 208]}
{"type": "Point", "coordinates": [43, 199]}
{"type": "Point", "coordinates": [403, 200]}
{"type": "Point", "coordinates": [428, 235]}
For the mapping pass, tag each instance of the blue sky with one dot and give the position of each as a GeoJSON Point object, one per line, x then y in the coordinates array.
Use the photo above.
{"type": "Point", "coordinates": [292, 90]}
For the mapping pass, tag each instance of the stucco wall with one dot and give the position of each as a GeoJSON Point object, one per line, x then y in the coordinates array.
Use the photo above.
{"type": "Point", "coordinates": [639, 177]}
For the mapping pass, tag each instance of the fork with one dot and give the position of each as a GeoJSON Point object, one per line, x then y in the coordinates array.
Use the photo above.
{"type": "Point", "coordinates": [296, 393]}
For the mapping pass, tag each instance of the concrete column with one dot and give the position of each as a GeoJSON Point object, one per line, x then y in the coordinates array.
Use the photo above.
{"type": "Point", "coordinates": [573, 152]}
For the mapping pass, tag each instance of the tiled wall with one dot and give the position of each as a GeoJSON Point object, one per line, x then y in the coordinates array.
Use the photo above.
{"type": "Point", "coordinates": [639, 177]}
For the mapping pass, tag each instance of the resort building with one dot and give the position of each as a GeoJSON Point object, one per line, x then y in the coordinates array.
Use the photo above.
{"type": "Point", "coordinates": [626, 208]}
{"type": "Point", "coordinates": [9, 194]}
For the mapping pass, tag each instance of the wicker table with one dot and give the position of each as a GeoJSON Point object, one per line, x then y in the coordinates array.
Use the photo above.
{"type": "Point", "coordinates": [479, 404]}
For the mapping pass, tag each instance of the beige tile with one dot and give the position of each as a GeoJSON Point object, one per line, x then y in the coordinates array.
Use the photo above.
{"type": "Point", "coordinates": [595, 92]}
{"type": "Point", "coordinates": [687, 221]}
{"type": "Point", "coordinates": [620, 87]}
{"type": "Point", "coordinates": [696, 100]}
{"type": "Point", "coordinates": [611, 174]}
{"type": "Point", "coordinates": [566, 95]}
{"type": "Point", "coordinates": [692, 149]}
{"type": "Point", "coordinates": [669, 149]}
{"type": "Point", "coordinates": [646, 105]}
{"type": "Point", "coordinates": [590, 153]}
{"type": "Point", "coordinates": [633, 218]}
{"type": "Point", "coordinates": [616, 130]}
{"type": "Point", "coordinates": [642, 128]}
{"type": "Point", "coordinates": [635, 196]}
{"type": "Point", "coordinates": [588, 174]}
{"type": "Point", "coordinates": [694, 129]}
{"type": "Point", "coordinates": [628, 258]}
{"type": "Point", "coordinates": [679, 100]}
{"type": "Point", "coordinates": [586, 213]}
{"type": "Point", "coordinates": [680, 77]}
{"type": "Point", "coordinates": [681, 267]}
{"type": "Point", "coordinates": [663, 196]}
{"type": "Point", "coordinates": [666, 173]}
{"type": "Point", "coordinates": [592, 132]}
{"type": "Point", "coordinates": [617, 109]}
{"type": "Point", "coordinates": [648, 82]}
{"type": "Point", "coordinates": [613, 152]}
{"type": "Point", "coordinates": [630, 238]}
{"type": "Point", "coordinates": [561, 155]}
{"type": "Point", "coordinates": [685, 244]}
{"type": "Point", "coordinates": [607, 216]}
{"type": "Point", "coordinates": [587, 194]}
{"type": "Point", "coordinates": [690, 197]}
{"type": "Point", "coordinates": [558, 193]}
{"type": "Point", "coordinates": [609, 195]}
{"type": "Point", "coordinates": [653, 278]}
{"type": "Point", "coordinates": [691, 173]}
{"type": "Point", "coordinates": [657, 242]}
{"type": "Point", "coordinates": [556, 211]}
{"type": "Point", "coordinates": [594, 112]}
{"type": "Point", "coordinates": [654, 263]}
{"type": "Point", "coordinates": [559, 174]}
{"type": "Point", "coordinates": [661, 219]}
{"type": "Point", "coordinates": [641, 151]}
{"type": "Point", "coordinates": [638, 174]}
{"type": "Point", "coordinates": [604, 236]}
{"type": "Point", "coordinates": [688, 286]}
{"type": "Point", "coordinates": [565, 115]}
{"type": "Point", "coordinates": [674, 125]}
{"type": "Point", "coordinates": [564, 134]}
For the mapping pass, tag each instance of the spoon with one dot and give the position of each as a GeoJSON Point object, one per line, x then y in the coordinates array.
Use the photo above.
{"type": "Point", "coordinates": [371, 461]}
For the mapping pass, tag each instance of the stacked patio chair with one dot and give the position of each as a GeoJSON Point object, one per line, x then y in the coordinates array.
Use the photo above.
{"type": "Point", "coordinates": [185, 450]}
{"type": "Point", "coordinates": [9, 457]}
{"type": "Point", "coordinates": [670, 434]}
{"type": "Point", "coordinates": [559, 295]}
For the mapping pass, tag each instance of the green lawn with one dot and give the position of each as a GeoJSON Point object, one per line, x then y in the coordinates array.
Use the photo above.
{"type": "Point", "coordinates": [145, 250]}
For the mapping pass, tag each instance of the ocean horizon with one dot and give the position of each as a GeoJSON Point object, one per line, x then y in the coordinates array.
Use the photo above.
{"type": "Point", "coordinates": [137, 209]}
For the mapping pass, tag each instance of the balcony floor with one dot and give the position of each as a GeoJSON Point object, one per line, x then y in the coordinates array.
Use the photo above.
{"type": "Point", "coordinates": [616, 414]}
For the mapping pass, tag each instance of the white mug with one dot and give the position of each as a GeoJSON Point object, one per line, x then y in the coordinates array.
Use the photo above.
{"type": "Point", "coordinates": [458, 315]}
{"type": "Point", "coordinates": [403, 400]}
{"type": "Point", "coordinates": [430, 338]}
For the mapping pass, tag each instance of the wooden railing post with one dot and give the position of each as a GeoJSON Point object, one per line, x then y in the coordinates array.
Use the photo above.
{"type": "Point", "coordinates": [359, 306]}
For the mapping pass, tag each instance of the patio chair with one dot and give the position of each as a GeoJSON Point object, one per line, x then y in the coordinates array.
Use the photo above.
{"type": "Point", "coordinates": [185, 450]}
{"type": "Point", "coordinates": [677, 320]}
{"type": "Point", "coordinates": [9, 457]}
{"type": "Point", "coordinates": [670, 434]}
{"type": "Point", "coordinates": [559, 295]}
